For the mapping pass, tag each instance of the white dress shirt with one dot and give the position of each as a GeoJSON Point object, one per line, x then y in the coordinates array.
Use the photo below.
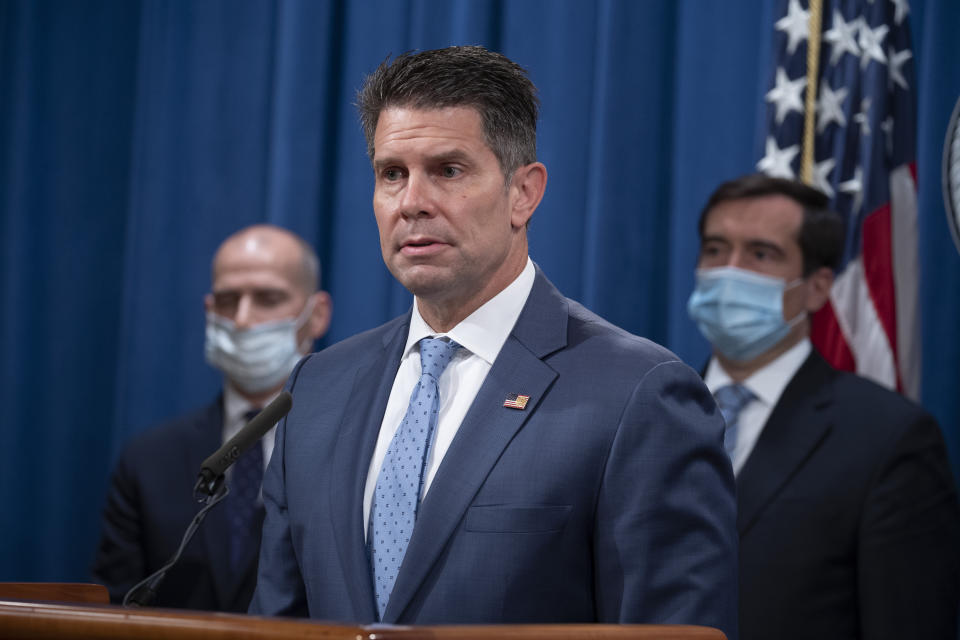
{"type": "Point", "coordinates": [767, 385]}
{"type": "Point", "coordinates": [235, 408]}
{"type": "Point", "coordinates": [481, 334]}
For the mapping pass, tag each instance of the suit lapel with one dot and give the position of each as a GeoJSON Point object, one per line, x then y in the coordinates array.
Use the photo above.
{"type": "Point", "coordinates": [485, 432]}
{"type": "Point", "coordinates": [351, 461]}
{"type": "Point", "coordinates": [792, 433]}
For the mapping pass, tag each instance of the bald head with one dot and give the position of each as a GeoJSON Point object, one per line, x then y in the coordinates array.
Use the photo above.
{"type": "Point", "coordinates": [272, 248]}
{"type": "Point", "coordinates": [264, 274]}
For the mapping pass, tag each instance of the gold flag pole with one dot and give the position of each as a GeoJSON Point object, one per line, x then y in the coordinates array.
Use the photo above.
{"type": "Point", "coordinates": [810, 103]}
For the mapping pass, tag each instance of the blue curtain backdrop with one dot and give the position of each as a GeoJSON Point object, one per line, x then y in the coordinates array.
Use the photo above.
{"type": "Point", "coordinates": [136, 134]}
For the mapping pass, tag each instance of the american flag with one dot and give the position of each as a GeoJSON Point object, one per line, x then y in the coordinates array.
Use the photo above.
{"type": "Point", "coordinates": [862, 129]}
{"type": "Point", "coordinates": [516, 401]}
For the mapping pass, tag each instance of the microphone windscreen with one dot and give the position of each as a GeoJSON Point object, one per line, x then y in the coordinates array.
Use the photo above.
{"type": "Point", "coordinates": [226, 455]}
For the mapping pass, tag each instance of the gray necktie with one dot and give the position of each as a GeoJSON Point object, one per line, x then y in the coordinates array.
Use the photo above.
{"type": "Point", "coordinates": [731, 399]}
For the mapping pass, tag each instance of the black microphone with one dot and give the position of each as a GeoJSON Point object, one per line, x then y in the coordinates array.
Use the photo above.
{"type": "Point", "coordinates": [214, 467]}
{"type": "Point", "coordinates": [210, 483]}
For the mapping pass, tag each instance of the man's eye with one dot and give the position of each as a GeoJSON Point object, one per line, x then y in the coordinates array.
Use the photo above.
{"type": "Point", "coordinates": [223, 302]}
{"type": "Point", "coordinates": [710, 251]}
{"type": "Point", "coordinates": [269, 299]}
{"type": "Point", "coordinates": [450, 172]}
{"type": "Point", "coordinates": [391, 174]}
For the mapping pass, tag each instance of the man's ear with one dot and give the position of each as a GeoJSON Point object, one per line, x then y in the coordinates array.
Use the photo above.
{"type": "Point", "coordinates": [208, 302]}
{"type": "Point", "coordinates": [818, 287]}
{"type": "Point", "coordinates": [526, 190]}
{"type": "Point", "coordinates": [319, 320]}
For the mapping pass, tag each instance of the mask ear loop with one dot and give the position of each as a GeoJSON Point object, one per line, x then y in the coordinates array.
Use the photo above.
{"type": "Point", "coordinates": [302, 320]}
{"type": "Point", "coordinates": [797, 319]}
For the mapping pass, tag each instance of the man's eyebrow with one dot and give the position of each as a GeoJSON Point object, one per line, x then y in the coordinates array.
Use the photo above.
{"type": "Point", "coordinates": [753, 243]}
{"type": "Point", "coordinates": [453, 155]}
{"type": "Point", "coordinates": [441, 157]}
{"type": "Point", "coordinates": [254, 290]}
{"type": "Point", "coordinates": [380, 163]}
{"type": "Point", "coordinates": [765, 244]}
{"type": "Point", "coordinates": [718, 239]}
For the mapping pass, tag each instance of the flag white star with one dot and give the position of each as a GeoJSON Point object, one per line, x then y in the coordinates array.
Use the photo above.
{"type": "Point", "coordinates": [863, 118]}
{"type": "Point", "coordinates": [776, 161]}
{"type": "Point", "coordinates": [786, 94]}
{"type": "Point", "coordinates": [842, 37]}
{"type": "Point", "coordinates": [901, 9]}
{"type": "Point", "coordinates": [796, 24]}
{"type": "Point", "coordinates": [887, 127]}
{"type": "Point", "coordinates": [871, 44]}
{"type": "Point", "coordinates": [821, 176]}
{"type": "Point", "coordinates": [895, 68]}
{"type": "Point", "coordinates": [830, 107]}
{"type": "Point", "coordinates": [854, 187]}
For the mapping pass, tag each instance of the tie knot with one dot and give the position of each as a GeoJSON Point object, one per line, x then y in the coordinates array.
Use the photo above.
{"type": "Point", "coordinates": [731, 399]}
{"type": "Point", "coordinates": [435, 355]}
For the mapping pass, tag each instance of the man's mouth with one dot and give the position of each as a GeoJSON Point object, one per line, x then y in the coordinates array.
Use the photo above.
{"type": "Point", "coordinates": [421, 246]}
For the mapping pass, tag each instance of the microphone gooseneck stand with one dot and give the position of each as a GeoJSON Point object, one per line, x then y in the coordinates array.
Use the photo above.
{"type": "Point", "coordinates": [144, 593]}
{"type": "Point", "coordinates": [212, 489]}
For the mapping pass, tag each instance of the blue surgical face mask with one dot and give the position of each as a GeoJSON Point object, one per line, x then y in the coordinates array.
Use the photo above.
{"type": "Point", "coordinates": [741, 312]}
{"type": "Point", "coordinates": [255, 359]}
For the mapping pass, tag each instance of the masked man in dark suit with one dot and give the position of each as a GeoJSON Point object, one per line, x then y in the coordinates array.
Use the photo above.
{"type": "Point", "coordinates": [263, 314]}
{"type": "Point", "coordinates": [498, 453]}
{"type": "Point", "coordinates": [847, 510]}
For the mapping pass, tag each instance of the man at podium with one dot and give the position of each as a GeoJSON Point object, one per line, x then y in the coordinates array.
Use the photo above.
{"type": "Point", "coordinates": [498, 454]}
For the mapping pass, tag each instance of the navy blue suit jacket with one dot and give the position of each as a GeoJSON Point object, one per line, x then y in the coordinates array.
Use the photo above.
{"type": "Point", "coordinates": [608, 499]}
{"type": "Point", "coordinates": [848, 517]}
{"type": "Point", "coordinates": [150, 504]}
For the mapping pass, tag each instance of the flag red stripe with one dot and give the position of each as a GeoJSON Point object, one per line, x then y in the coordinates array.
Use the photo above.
{"type": "Point", "coordinates": [829, 339]}
{"type": "Point", "coordinates": [878, 270]}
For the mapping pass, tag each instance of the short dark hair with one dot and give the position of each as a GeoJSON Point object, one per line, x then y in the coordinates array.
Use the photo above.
{"type": "Point", "coordinates": [471, 76]}
{"type": "Point", "coordinates": [821, 232]}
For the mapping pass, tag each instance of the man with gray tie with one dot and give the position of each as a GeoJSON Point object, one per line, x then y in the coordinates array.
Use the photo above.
{"type": "Point", "coordinates": [847, 510]}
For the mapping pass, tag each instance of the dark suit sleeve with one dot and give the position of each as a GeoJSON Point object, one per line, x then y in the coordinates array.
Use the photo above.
{"type": "Point", "coordinates": [280, 589]}
{"type": "Point", "coordinates": [909, 571]}
{"type": "Point", "coordinates": [666, 541]}
{"type": "Point", "coordinates": [120, 561]}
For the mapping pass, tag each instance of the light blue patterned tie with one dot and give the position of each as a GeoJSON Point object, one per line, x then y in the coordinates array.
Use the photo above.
{"type": "Point", "coordinates": [397, 494]}
{"type": "Point", "coordinates": [731, 399]}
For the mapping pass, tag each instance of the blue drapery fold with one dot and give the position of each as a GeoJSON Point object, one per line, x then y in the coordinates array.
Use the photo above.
{"type": "Point", "coordinates": [136, 135]}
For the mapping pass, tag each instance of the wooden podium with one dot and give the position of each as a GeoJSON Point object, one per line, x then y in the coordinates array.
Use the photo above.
{"type": "Point", "coordinates": [30, 611]}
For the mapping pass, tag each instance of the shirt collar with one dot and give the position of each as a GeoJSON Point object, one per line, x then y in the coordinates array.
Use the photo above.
{"type": "Point", "coordinates": [768, 382]}
{"type": "Point", "coordinates": [485, 330]}
{"type": "Point", "coordinates": [235, 408]}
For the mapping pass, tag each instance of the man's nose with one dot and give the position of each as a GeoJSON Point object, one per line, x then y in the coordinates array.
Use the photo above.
{"type": "Point", "coordinates": [736, 258]}
{"type": "Point", "coordinates": [417, 198]}
{"type": "Point", "coordinates": [243, 319]}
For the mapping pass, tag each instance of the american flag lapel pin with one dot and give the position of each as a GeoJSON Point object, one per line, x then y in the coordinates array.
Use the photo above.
{"type": "Point", "coordinates": [516, 401]}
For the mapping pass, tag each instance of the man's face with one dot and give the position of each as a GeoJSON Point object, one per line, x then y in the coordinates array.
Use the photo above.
{"type": "Point", "coordinates": [762, 235]}
{"type": "Point", "coordinates": [449, 230]}
{"type": "Point", "coordinates": [255, 281]}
